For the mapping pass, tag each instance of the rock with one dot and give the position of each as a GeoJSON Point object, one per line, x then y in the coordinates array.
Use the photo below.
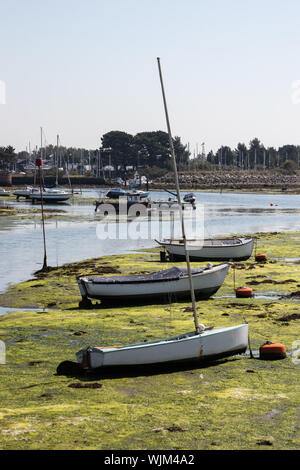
{"type": "Point", "coordinates": [80, 385]}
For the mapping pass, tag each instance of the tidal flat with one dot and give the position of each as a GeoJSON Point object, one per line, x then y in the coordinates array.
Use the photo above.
{"type": "Point", "coordinates": [235, 403]}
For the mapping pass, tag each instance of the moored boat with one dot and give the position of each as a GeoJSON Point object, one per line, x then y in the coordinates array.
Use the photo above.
{"type": "Point", "coordinates": [3, 192]}
{"type": "Point", "coordinates": [164, 285]}
{"type": "Point", "coordinates": [25, 192]}
{"type": "Point", "coordinates": [209, 344]}
{"type": "Point", "coordinates": [236, 249]}
{"type": "Point", "coordinates": [50, 195]}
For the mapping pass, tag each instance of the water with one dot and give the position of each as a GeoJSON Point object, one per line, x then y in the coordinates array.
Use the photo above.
{"type": "Point", "coordinates": [4, 310]}
{"type": "Point", "coordinates": [75, 237]}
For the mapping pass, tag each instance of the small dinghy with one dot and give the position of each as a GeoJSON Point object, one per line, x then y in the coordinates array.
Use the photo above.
{"type": "Point", "coordinates": [164, 285]}
{"type": "Point", "coordinates": [236, 249]}
{"type": "Point", "coordinates": [209, 344]}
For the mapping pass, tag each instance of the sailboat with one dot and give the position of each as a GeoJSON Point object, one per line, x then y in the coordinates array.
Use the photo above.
{"type": "Point", "coordinates": [50, 194]}
{"type": "Point", "coordinates": [201, 344]}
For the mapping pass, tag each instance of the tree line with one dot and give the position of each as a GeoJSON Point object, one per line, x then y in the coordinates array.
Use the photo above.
{"type": "Point", "coordinates": [255, 157]}
{"type": "Point", "coordinates": [150, 152]}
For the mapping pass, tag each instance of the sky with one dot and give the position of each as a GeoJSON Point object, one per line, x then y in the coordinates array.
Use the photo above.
{"type": "Point", "coordinates": [79, 69]}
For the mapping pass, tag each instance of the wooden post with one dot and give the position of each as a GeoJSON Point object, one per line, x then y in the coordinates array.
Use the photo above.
{"type": "Point", "coordinates": [39, 163]}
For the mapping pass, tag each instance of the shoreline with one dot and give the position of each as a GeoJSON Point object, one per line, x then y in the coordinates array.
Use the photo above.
{"type": "Point", "coordinates": [156, 409]}
{"type": "Point", "coordinates": [206, 180]}
{"type": "Point", "coordinates": [154, 249]}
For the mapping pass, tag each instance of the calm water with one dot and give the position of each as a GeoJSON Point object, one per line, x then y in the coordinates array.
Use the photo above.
{"type": "Point", "coordinates": [80, 235]}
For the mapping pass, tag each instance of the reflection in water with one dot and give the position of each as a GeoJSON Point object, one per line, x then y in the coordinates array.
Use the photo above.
{"type": "Point", "coordinates": [75, 234]}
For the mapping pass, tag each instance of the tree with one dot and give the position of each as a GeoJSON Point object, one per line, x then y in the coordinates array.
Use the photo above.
{"type": "Point", "coordinates": [153, 149]}
{"type": "Point", "coordinates": [289, 166]}
{"type": "Point", "coordinates": [225, 156]}
{"type": "Point", "coordinates": [256, 153]}
{"type": "Point", "coordinates": [123, 151]}
{"type": "Point", "coordinates": [241, 155]}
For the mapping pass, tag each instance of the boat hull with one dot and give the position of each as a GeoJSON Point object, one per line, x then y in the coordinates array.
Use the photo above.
{"type": "Point", "coordinates": [208, 345]}
{"type": "Point", "coordinates": [50, 198]}
{"type": "Point", "coordinates": [237, 252]}
{"type": "Point", "coordinates": [205, 284]}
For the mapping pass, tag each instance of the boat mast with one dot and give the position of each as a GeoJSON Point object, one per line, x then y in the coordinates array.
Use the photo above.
{"type": "Point", "coordinates": [56, 179]}
{"type": "Point", "coordinates": [197, 326]}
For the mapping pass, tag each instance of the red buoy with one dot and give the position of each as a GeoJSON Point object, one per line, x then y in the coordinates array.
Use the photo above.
{"type": "Point", "coordinates": [271, 203]}
{"type": "Point", "coordinates": [261, 257]}
{"type": "Point", "coordinates": [244, 292]}
{"type": "Point", "coordinates": [271, 351]}
{"type": "Point", "coordinates": [38, 162]}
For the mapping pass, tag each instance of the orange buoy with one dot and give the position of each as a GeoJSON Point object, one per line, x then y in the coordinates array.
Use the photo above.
{"type": "Point", "coordinates": [244, 292]}
{"type": "Point", "coordinates": [272, 351]}
{"type": "Point", "coordinates": [261, 257]}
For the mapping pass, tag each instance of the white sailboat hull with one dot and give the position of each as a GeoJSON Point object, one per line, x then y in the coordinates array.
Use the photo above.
{"type": "Point", "coordinates": [34, 194]}
{"type": "Point", "coordinates": [24, 192]}
{"type": "Point", "coordinates": [203, 250]}
{"type": "Point", "coordinates": [206, 283]}
{"type": "Point", "coordinates": [208, 345]}
{"type": "Point", "coordinates": [57, 197]}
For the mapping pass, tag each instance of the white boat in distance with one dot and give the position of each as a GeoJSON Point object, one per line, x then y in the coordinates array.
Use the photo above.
{"type": "Point", "coordinates": [50, 195]}
{"type": "Point", "coordinates": [236, 249]}
{"type": "Point", "coordinates": [209, 344]}
{"type": "Point", "coordinates": [170, 284]}
{"type": "Point", "coordinates": [3, 192]}
{"type": "Point", "coordinates": [24, 192]}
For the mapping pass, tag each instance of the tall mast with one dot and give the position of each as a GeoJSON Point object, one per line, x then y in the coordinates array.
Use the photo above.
{"type": "Point", "coordinates": [57, 137]}
{"type": "Point", "coordinates": [197, 326]}
{"type": "Point", "coordinates": [41, 141]}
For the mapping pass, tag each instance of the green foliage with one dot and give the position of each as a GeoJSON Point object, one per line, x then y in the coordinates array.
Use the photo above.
{"type": "Point", "coordinates": [7, 157]}
{"type": "Point", "coordinates": [290, 166]}
{"type": "Point", "coordinates": [144, 150]}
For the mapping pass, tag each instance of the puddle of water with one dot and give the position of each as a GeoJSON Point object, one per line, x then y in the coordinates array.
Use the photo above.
{"type": "Point", "coordinates": [288, 260]}
{"type": "Point", "coordinates": [5, 310]}
{"type": "Point", "coordinates": [272, 295]}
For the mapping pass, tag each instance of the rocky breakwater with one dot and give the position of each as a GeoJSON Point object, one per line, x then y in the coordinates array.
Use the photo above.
{"type": "Point", "coordinates": [234, 180]}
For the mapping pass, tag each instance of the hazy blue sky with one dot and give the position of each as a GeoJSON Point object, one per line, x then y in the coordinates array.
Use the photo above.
{"type": "Point", "coordinates": [82, 68]}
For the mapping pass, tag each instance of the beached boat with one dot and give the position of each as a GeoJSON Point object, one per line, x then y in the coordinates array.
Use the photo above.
{"type": "Point", "coordinates": [3, 192]}
{"type": "Point", "coordinates": [210, 344]}
{"type": "Point", "coordinates": [190, 197]}
{"type": "Point", "coordinates": [236, 249]}
{"type": "Point", "coordinates": [123, 203]}
{"type": "Point", "coordinates": [25, 192]}
{"type": "Point", "coordinates": [116, 193]}
{"type": "Point", "coordinates": [50, 195]}
{"type": "Point", "coordinates": [170, 284]}
{"type": "Point", "coordinates": [189, 200]}
{"type": "Point", "coordinates": [202, 344]}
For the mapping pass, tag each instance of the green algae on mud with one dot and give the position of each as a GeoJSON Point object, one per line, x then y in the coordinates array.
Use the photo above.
{"type": "Point", "coordinates": [237, 403]}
